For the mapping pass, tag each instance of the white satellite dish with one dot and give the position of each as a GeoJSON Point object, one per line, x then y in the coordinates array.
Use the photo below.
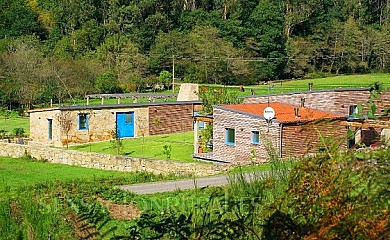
{"type": "Point", "coordinates": [269, 113]}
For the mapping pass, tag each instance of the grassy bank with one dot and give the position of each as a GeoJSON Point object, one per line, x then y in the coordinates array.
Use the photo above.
{"type": "Point", "coordinates": [16, 173]}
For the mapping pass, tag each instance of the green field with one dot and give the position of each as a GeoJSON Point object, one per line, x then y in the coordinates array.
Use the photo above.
{"type": "Point", "coordinates": [348, 81]}
{"type": "Point", "coordinates": [14, 121]}
{"type": "Point", "coordinates": [16, 173]}
{"type": "Point", "coordinates": [149, 147]}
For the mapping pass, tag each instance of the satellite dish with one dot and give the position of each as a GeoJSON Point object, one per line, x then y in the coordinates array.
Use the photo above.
{"type": "Point", "coordinates": [269, 113]}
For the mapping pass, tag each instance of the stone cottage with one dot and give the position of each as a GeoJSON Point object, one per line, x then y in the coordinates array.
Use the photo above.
{"type": "Point", "coordinates": [242, 135]}
{"type": "Point", "coordinates": [82, 124]}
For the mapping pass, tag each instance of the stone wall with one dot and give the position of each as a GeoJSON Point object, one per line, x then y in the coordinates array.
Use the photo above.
{"type": "Point", "coordinates": [243, 151]}
{"type": "Point", "coordinates": [108, 161]}
{"type": "Point", "coordinates": [336, 101]}
{"type": "Point", "coordinates": [188, 92]}
{"type": "Point", "coordinates": [299, 140]}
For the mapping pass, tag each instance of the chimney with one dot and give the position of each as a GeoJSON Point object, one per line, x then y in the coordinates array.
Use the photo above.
{"type": "Point", "coordinates": [296, 112]}
{"type": "Point", "coordinates": [310, 86]}
{"type": "Point", "coordinates": [303, 102]}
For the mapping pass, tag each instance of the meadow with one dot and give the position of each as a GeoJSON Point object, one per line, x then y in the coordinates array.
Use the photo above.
{"type": "Point", "coordinates": [14, 121]}
{"type": "Point", "coordinates": [335, 82]}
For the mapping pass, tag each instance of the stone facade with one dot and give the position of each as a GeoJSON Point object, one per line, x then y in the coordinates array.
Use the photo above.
{"type": "Point", "coordinates": [243, 151]}
{"type": "Point", "coordinates": [336, 101]}
{"type": "Point", "coordinates": [287, 139]}
{"type": "Point", "coordinates": [149, 119]}
{"type": "Point", "coordinates": [108, 161]}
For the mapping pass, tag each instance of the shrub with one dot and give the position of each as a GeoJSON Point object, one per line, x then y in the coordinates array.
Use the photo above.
{"type": "Point", "coordinates": [335, 196]}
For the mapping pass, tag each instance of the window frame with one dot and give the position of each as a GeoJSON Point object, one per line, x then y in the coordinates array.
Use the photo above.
{"type": "Point", "coordinates": [353, 111]}
{"type": "Point", "coordinates": [80, 117]}
{"type": "Point", "coordinates": [255, 137]}
{"type": "Point", "coordinates": [50, 129]}
{"type": "Point", "coordinates": [228, 132]}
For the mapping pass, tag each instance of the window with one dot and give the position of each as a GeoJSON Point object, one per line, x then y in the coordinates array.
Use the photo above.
{"type": "Point", "coordinates": [353, 110]}
{"type": "Point", "coordinates": [230, 136]}
{"type": "Point", "coordinates": [50, 129]}
{"type": "Point", "coordinates": [255, 137]}
{"type": "Point", "coordinates": [128, 117]}
{"type": "Point", "coordinates": [83, 121]}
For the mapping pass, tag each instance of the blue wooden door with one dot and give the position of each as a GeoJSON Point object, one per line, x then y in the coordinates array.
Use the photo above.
{"type": "Point", "coordinates": [125, 124]}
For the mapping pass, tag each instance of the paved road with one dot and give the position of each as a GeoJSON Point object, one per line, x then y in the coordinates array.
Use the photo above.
{"type": "Point", "coordinates": [155, 187]}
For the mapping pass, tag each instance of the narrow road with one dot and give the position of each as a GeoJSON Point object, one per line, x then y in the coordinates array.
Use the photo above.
{"type": "Point", "coordinates": [156, 187]}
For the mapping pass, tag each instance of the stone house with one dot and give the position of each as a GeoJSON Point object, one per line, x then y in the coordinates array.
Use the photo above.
{"type": "Point", "coordinates": [242, 135]}
{"type": "Point", "coordinates": [82, 124]}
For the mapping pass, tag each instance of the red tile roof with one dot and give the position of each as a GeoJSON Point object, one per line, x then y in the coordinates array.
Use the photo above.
{"type": "Point", "coordinates": [284, 112]}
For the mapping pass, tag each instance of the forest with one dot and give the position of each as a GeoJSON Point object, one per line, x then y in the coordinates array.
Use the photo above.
{"type": "Point", "coordinates": [61, 49]}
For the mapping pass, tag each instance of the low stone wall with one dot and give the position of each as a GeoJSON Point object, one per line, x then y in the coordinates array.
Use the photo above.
{"type": "Point", "coordinates": [108, 161]}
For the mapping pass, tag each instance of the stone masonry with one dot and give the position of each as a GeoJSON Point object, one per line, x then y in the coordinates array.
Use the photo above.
{"type": "Point", "coordinates": [108, 161]}
{"type": "Point", "coordinates": [149, 119]}
{"type": "Point", "coordinates": [293, 139]}
{"type": "Point", "coordinates": [243, 152]}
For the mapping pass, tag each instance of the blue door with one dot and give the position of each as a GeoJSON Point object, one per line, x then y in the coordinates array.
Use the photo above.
{"type": "Point", "coordinates": [125, 124]}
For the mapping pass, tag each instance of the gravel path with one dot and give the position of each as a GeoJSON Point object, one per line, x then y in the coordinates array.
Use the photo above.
{"type": "Point", "coordinates": [156, 187]}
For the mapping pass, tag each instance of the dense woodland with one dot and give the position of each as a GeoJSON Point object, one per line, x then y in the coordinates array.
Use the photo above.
{"type": "Point", "coordinates": [61, 49]}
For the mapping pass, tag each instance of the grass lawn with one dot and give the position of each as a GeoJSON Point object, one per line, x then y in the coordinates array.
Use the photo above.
{"type": "Point", "coordinates": [181, 146]}
{"type": "Point", "coordinates": [16, 173]}
{"type": "Point", "coordinates": [347, 81]}
{"type": "Point", "coordinates": [15, 122]}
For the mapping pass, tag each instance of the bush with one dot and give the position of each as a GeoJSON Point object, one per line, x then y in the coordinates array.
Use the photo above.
{"type": "Point", "coordinates": [107, 83]}
{"type": "Point", "coordinates": [19, 132]}
{"type": "Point", "coordinates": [335, 196]}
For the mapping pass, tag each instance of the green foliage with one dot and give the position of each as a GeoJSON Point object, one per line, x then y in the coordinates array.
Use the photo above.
{"type": "Point", "coordinates": [206, 135]}
{"type": "Point", "coordinates": [167, 151]}
{"type": "Point", "coordinates": [116, 142]}
{"type": "Point", "coordinates": [107, 83]}
{"type": "Point", "coordinates": [19, 132]}
{"type": "Point", "coordinates": [94, 214]}
{"type": "Point", "coordinates": [213, 96]}
{"type": "Point", "coordinates": [224, 42]}
{"type": "Point", "coordinates": [327, 202]}
{"type": "Point", "coordinates": [165, 78]}
{"type": "Point", "coordinates": [5, 113]}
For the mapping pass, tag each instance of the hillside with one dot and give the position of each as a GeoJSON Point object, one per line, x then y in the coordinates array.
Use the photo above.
{"type": "Point", "coordinates": [65, 49]}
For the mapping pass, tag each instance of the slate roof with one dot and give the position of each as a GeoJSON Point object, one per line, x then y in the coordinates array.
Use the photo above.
{"type": "Point", "coordinates": [284, 113]}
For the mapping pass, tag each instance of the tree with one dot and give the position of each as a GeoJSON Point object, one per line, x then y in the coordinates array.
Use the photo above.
{"type": "Point", "coordinates": [267, 41]}
{"type": "Point", "coordinates": [65, 120]}
{"type": "Point", "coordinates": [107, 83]}
{"type": "Point", "coordinates": [165, 78]}
{"type": "Point", "coordinates": [18, 19]}
{"type": "Point", "coordinates": [23, 62]}
{"type": "Point", "coordinates": [120, 55]}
